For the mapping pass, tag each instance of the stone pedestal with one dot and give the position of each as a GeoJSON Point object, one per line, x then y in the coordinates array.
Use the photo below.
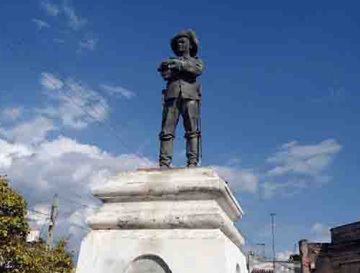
{"type": "Point", "coordinates": [152, 221]}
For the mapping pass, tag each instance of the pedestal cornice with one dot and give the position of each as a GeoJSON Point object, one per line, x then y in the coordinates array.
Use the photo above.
{"type": "Point", "coordinates": [195, 198]}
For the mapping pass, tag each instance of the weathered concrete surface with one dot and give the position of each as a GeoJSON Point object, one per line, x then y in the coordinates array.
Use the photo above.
{"type": "Point", "coordinates": [164, 221]}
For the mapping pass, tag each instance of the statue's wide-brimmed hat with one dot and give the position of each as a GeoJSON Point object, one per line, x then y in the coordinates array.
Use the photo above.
{"type": "Point", "coordinates": [190, 34]}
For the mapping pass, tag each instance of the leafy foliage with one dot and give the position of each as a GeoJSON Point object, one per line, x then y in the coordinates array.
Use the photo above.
{"type": "Point", "coordinates": [18, 256]}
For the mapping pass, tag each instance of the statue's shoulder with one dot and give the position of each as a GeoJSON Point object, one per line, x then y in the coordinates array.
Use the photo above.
{"type": "Point", "coordinates": [198, 62]}
{"type": "Point", "coordinates": [197, 58]}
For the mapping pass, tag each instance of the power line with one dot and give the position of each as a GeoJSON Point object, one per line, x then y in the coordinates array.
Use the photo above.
{"type": "Point", "coordinates": [13, 46]}
{"type": "Point", "coordinates": [86, 112]}
{"type": "Point", "coordinates": [54, 213]}
{"type": "Point", "coordinates": [79, 226]}
{"type": "Point", "coordinates": [77, 203]}
{"type": "Point", "coordinates": [42, 214]}
{"type": "Point", "coordinates": [88, 195]}
{"type": "Point", "coordinates": [38, 212]}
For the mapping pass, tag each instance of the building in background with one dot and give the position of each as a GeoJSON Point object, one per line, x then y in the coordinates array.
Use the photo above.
{"type": "Point", "coordinates": [33, 236]}
{"type": "Point", "coordinates": [342, 255]}
{"type": "Point", "coordinates": [260, 264]}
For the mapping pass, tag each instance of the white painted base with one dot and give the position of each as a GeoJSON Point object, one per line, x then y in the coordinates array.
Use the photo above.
{"type": "Point", "coordinates": [173, 221]}
{"type": "Point", "coordinates": [190, 251]}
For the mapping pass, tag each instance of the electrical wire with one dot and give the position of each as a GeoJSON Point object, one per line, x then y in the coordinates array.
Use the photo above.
{"type": "Point", "coordinates": [77, 203]}
{"type": "Point", "coordinates": [79, 226]}
{"type": "Point", "coordinates": [86, 112]}
{"type": "Point", "coordinates": [39, 212]}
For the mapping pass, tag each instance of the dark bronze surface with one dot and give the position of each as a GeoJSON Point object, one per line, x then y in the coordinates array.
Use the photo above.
{"type": "Point", "coordinates": [181, 98]}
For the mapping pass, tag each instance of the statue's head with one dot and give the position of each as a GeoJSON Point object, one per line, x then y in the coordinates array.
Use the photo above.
{"type": "Point", "coordinates": [183, 42]}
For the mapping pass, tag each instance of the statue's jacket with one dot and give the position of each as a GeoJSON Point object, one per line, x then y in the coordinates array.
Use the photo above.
{"type": "Point", "coordinates": [183, 82]}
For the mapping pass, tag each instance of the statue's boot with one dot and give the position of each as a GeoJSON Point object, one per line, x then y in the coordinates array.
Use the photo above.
{"type": "Point", "coordinates": [166, 150]}
{"type": "Point", "coordinates": [192, 151]}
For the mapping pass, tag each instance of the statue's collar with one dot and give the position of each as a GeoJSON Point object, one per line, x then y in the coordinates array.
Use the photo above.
{"type": "Point", "coordinates": [184, 57]}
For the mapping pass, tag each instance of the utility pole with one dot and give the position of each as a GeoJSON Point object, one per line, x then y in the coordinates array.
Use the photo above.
{"type": "Point", "coordinates": [53, 216]}
{"type": "Point", "coordinates": [273, 237]}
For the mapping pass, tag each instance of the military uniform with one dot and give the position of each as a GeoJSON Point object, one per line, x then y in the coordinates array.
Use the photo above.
{"type": "Point", "coordinates": [181, 97]}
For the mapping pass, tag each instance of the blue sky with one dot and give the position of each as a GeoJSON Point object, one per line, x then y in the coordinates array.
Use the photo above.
{"type": "Point", "coordinates": [280, 109]}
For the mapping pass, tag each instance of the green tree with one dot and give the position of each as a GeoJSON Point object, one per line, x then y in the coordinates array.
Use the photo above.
{"type": "Point", "coordinates": [18, 256]}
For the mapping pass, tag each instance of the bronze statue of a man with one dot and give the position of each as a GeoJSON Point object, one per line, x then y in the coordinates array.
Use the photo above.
{"type": "Point", "coordinates": [181, 97]}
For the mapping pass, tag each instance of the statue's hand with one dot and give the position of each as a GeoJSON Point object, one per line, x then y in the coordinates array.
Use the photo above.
{"type": "Point", "coordinates": [163, 66]}
{"type": "Point", "coordinates": [165, 74]}
{"type": "Point", "coordinates": [175, 64]}
{"type": "Point", "coordinates": [168, 67]}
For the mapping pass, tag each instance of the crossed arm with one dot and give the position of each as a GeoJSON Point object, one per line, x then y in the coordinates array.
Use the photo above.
{"type": "Point", "coordinates": [191, 66]}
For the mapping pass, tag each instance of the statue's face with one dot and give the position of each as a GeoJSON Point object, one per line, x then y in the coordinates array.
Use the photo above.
{"type": "Point", "coordinates": [182, 46]}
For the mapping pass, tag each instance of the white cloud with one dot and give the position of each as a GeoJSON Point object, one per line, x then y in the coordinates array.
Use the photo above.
{"type": "Point", "coordinates": [11, 113]}
{"type": "Point", "coordinates": [50, 8]}
{"type": "Point", "coordinates": [64, 162]}
{"type": "Point", "coordinates": [285, 187]}
{"type": "Point", "coordinates": [297, 167]}
{"type": "Point", "coordinates": [303, 159]}
{"type": "Point", "coordinates": [71, 18]}
{"type": "Point", "coordinates": [50, 81]}
{"type": "Point", "coordinates": [284, 255]}
{"type": "Point", "coordinates": [11, 152]}
{"type": "Point", "coordinates": [76, 104]}
{"type": "Point", "coordinates": [81, 105]}
{"type": "Point", "coordinates": [29, 132]}
{"type": "Point", "coordinates": [68, 168]}
{"type": "Point", "coordinates": [88, 43]}
{"type": "Point", "coordinates": [75, 225]}
{"type": "Point", "coordinates": [270, 189]}
{"type": "Point", "coordinates": [39, 166]}
{"type": "Point", "coordinates": [40, 23]}
{"type": "Point", "coordinates": [321, 232]}
{"type": "Point", "coordinates": [118, 90]}
{"type": "Point", "coordinates": [74, 21]}
{"type": "Point", "coordinates": [239, 179]}
{"type": "Point", "coordinates": [62, 146]}
{"type": "Point", "coordinates": [39, 215]}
